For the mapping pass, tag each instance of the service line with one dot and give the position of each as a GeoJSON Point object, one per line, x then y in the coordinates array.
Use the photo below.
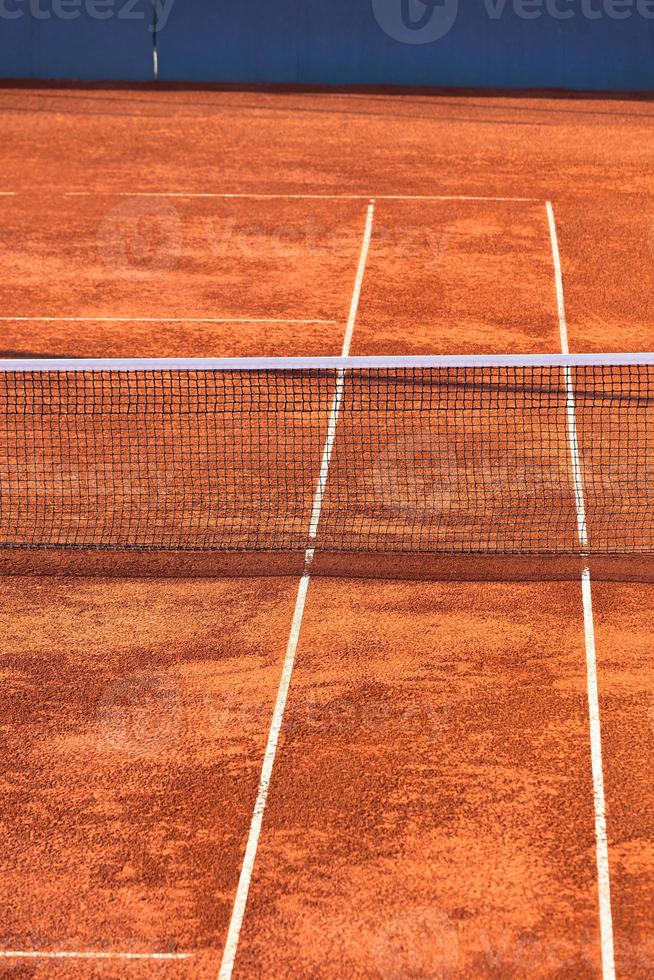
{"type": "Point", "coordinates": [255, 196]}
{"type": "Point", "coordinates": [155, 319]}
{"type": "Point", "coordinates": [19, 954]}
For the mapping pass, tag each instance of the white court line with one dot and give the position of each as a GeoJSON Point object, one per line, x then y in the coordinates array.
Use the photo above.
{"type": "Point", "coordinates": [599, 799]}
{"type": "Point", "coordinates": [305, 197]}
{"type": "Point", "coordinates": [358, 283]}
{"type": "Point", "coordinates": [327, 455]}
{"type": "Point", "coordinates": [558, 277]}
{"type": "Point", "coordinates": [243, 888]}
{"type": "Point", "coordinates": [9, 954]}
{"type": "Point", "coordinates": [153, 319]}
{"type": "Point", "coordinates": [340, 375]}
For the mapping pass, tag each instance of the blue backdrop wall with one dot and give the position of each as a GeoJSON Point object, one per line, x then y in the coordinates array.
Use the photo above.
{"type": "Point", "coordinates": [577, 44]}
{"type": "Point", "coordinates": [78, 39]}
{"type": "Point", "coordinates": [595, 44]}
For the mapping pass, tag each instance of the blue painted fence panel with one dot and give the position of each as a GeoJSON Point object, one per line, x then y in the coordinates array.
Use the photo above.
{"type": "Point", "coordinates": [76, 39]}
{"type": "Point", "coordinates": [604, 44]}
{"type": "Point", "coordinates": [231, 40]}
{"type": "Point", "coordinates": [575, 44]}
{"type": "Point", "coordinates": [17, 42]}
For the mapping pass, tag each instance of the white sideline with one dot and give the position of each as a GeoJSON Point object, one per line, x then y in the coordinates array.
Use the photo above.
{"type": "Point", "coordinates": [243, 887]}
{"type": "Point", "coordinates": [599, 800]}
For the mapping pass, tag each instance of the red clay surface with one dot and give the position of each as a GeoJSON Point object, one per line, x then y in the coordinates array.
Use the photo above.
{"type": "Point", "coordinates": [431, 807]}
{"type": "Point", "coordinates": [432, 813]}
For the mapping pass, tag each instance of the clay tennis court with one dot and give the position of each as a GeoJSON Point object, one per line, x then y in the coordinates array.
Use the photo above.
{"type": "Point", "coordinates": [369, 773]}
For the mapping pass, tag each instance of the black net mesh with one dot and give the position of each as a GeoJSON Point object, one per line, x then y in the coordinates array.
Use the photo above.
{"type": "Point", "coordinates": [452, 460]}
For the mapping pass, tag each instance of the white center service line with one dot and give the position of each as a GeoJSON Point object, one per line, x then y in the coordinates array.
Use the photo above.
{"type": "Point", "coordinates": [599, 800]}
{"type": "Point", "coordinates": [243, 888]}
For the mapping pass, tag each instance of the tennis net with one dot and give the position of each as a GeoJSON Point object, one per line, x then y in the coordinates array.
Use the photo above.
{"type": "Point", "coordinates": [467, 455]}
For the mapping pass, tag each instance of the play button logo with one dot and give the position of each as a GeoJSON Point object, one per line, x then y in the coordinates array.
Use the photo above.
{"type": "Point", "coordinates": [416, 21]}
